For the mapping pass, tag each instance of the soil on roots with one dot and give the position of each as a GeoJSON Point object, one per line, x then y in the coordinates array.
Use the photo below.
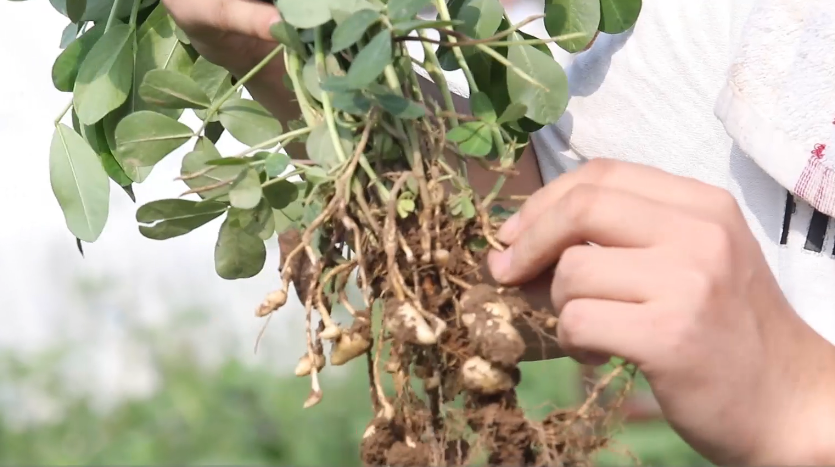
{"type": "Point", "coordinates": [444, 325]}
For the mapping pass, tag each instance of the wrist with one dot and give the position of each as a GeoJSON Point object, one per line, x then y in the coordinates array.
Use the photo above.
{"type": "Point", "coordinates": [802, 429]}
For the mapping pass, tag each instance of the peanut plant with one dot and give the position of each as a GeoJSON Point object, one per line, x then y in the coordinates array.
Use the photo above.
{"type": "Point", "coordinates": [377, 195]}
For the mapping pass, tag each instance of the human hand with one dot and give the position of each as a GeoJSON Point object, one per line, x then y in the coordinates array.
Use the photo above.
{"type": "Point", "coordinates": [677, 284]}
{"type": "Point", "coordinates": [234, 34]}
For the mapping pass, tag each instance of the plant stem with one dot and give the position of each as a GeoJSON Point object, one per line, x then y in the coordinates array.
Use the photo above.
{"type": "Point", "coordinates": [134, 12]}
{"type": "Point", "coordinates": [501, 59]}
{"type": "Point", "coordinates": [319, 56]}
{"type": "Point", "coordinates": [63, 112]}
{"type": "Point", "coordinates": [216, 104]}
{"type": "Point", "coordinates": [494, 192]}
{"type": "Point", "coordinates": [443, 13]}
{"type": "Point", "coordinates": [280, 139]}
{"type": "Point", "coordinates": [433, 67]}
{"type": "Point", "coordinates": [281, 178]}
{"type": "Point", "coordinates": [293, 65]}
{"type": "Point", "coordinates": [327, 108]}
{"type": "Point", "coordinates": [112, 17]}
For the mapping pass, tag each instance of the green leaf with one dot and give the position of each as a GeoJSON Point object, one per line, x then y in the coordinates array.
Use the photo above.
{"type": "Point", "coordinates": [66, 66]}
{"type": "Point", "coordinates": [246, 193]}
{"type": "Point", "coordinates": [248, 121]}
{"type": "Point", "coordinates": [310, 74]}
{"type": "Point", "coordinates": [288, 217]}
{"type": "Point", "coordinates": [158, 48]}
{"type": "Point", "coordinates": [182, 36]}
{"type": "Point", "coordinates": [399, 106]}
{"type": "Point", "coordinates": [99, 10]}
{"type": "Point", "coordinates": [579, 18]}
{"type": "Point", "coordinates": [171, 218]}
{"type": "Point", "coordinates": [145, 138]}
{"type": "Point", "coordinates": [371, 61]}
{"type": "Point", "coordinates": [94, 135]}
{"type": "Point", "coordinates": [165, 88]}
{"type": "Point", "coordinates": [75, 9]}
{"type": "Point", "coordinates": [195, 161]}
{"type": "Point", "coordinates": [481, 18]}
{"type": "Point", "coordinates": [281, 193]}
{"type": "Point", "coordinates": [343, 9]}
{"type": "Point", "coordinates": [467, 207]}
{"type": "Point", "coordinates": [473, 138]}
{"type": "Point", "coordinates": [109, 125]}
{"type": "Point", "coordinates": [406, 9]}
{"type": "Point", "coordinates": [320, 147]}
{"type": "Point", "coordinates": [405, 206]}
{"type": "Point", "coordinates": [513, 112]}
{"type": "Point", "coordinates": [352, 102]}
{"type": "Point", "coordinates": [69, 34]}
{"type": "Point", "coordinates": [79, 183]}
{"type": "Point", "coordinates": [545, 103]}
{"type": "Point", "coordinates": [254, 221]}
{"type": "Point", "coordinates": [286, 34]}
{"type": "Point", "coordinates": [305, 14]}
{"type": "Point", "coordinates": [238, 253]}
{"type": "Point", "coordinates": [482, 108]}
{"type": "Point", "coordinates": [212, 79]}
{"type": "Point", "coordinates": [617, 16]}
{"type": "Point", "coordinates": [104, 79]}
{"type": "Point", "coordinates": [276, 164]}
{"type": "Point", "coordinates": [407, 26]}
{"type": "Point", "coordinates": [350, 31]}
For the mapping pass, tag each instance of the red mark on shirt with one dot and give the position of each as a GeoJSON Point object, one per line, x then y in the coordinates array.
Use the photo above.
{"type": "Point", "coordinates": [819, 151]}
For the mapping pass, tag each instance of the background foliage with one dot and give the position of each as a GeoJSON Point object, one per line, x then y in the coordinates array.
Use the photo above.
{"type": "Point", "coordinates": [234, 413]}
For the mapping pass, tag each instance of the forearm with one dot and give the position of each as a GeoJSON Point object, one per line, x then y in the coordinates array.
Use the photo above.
{"type": "Point", "coordinates": [803, 431]}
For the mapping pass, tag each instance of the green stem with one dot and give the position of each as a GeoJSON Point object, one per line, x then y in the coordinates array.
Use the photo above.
{"type": "Point", "coordinates": [501, 59]}
{"type": "Point", "coordinates": [281, 178]}
{"type": "Point", "coordinates": [443, 13]}
{"type": "Point", "coordinates": [494, 192]}
{"type": "Point", "coordinates": [280, 139]}
{"type": "Point", "coordinates": [319, 57]}
{"type": "Point", "coordinates": [433, 67]}
{"type": "Point", "coordinates": [134, 12]}
{"type": "Point", "coordinates": [294, 66]}
{"type": "Point", "coordinates": [112, 17]}
{"type": "Point", "coordinates": [216, 104]}
{"type": "Point", "coordinates": [327, 108]}
{"type": "Point", "coordinates": [63, 112]}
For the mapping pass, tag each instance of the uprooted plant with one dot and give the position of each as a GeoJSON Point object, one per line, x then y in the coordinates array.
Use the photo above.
{"type": "Point", "coordinates": [382, 198]}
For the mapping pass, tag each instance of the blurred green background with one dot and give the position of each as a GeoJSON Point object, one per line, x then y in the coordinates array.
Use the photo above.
{"type": "Point", "coordinates": [235, 413]}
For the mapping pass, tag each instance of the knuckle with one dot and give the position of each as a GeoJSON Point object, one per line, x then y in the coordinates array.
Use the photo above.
{"type": "Point", "coordinates": [572, 323]}
{"type": "Point", "coordinates": [723, 202]}
{"type": "Point", "coordinates": [570, 266]}
{"type": "Point", "coordinates": [599, 168]}
{"type": "Point", "coordinates": [700, 287]}
{"type": "Point", "coordinates": [717, 246]}
{"type": "Point", "coordinates": [577, 203]}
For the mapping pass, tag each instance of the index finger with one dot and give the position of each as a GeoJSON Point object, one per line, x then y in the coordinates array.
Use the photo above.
{"type": "Point", "coordinates": [647, 182]}
{"type": "Point", "coordinates": [587, 214]}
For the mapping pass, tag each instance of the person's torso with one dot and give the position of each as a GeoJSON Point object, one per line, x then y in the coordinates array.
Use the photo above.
{"type": "Point", "coordinates": [648, 96]}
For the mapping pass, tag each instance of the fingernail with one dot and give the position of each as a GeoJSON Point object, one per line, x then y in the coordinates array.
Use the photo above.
{"type": "Point", "coordinates": [507, 232]}
{"type": "Point", "coordinates": [499, 262]}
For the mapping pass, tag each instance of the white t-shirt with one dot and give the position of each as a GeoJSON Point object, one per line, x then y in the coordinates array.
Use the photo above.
{"type": "Point", "coordinates": [648, 96]}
